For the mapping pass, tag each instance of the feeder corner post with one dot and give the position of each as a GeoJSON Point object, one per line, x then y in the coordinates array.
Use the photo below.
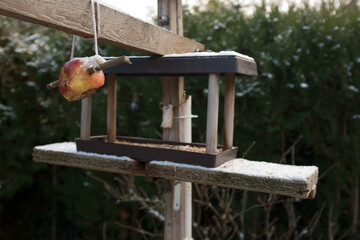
{"type": "Point", "coordinates": [111, 107]}
{"type": "Point", "coordinates": [85, 127]}
{"type": "Point", "coordinates": [170, 17]}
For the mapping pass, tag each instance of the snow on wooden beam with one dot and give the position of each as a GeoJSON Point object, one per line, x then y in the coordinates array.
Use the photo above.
{"type": "Point", "coordinates": [117, 28]}
{"type": "Point", "coordinates": [294, 181]}
{"type": "Point", "coordinates": [288, 180]}
{"type": "Point", "coordinates": [65, 154]}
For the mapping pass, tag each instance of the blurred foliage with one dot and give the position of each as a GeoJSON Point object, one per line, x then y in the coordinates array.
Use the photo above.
{"type": "Point", "coordinates": [308, 84]}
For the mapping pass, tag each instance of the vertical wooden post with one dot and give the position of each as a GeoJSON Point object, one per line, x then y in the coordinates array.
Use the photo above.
{"type": "Point", "coordinates": [173, 93]}
{"type": "Point", "coordinates": [85, 127]}
{"type": "Point", "coordinates": [229, 107]}
{"type": "Point", "coordinates": [212, 113]}
{"type": "Point", "coordinates": [186, 187]}
{"type": "Point", "coordinates": [111, 107]}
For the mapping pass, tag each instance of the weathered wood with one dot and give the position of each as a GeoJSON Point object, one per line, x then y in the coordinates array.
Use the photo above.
{"type": "Point", "coordinates": [85, 127]}
{"type": "Point", "coordinates": [212, 113]}
{"type": "Point", "coordinates": [117, 28]}
{"type": "Point", "coordinates": [65, 154]}
{"type": "Point", "coordinates": [111, 107]}
{"type": "Point", "coordinates": [173, 89]}
{"type": "Point", "coordinates": [294, 181]}
{"type": "Point", "coordinates": [229, 107]}
{"type": "Point", "coordinates": [288, 180]}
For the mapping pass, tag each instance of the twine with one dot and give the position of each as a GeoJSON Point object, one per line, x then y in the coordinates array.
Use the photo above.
{"type": "Point", "coordinates": [95, 28]}
{"type": "Point", "coordinates": [73, 47]}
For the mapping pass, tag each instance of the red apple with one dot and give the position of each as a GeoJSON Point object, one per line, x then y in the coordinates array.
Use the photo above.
{"type": "Point", "coordinates": [76, 83]}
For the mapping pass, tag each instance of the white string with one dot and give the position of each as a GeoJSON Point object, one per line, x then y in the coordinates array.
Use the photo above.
{"type": "Point", "coordinates": [73, 47]}
{"type": "Point", "coordinates": [94, 26]}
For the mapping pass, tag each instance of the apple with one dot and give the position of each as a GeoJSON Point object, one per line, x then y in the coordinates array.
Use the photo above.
{"type": "Point", "coordinates": [75, 82]}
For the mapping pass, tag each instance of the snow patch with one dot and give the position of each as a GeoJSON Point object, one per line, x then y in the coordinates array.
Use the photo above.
{"type": "Point", "coordinates": [70, 147]}
{"type": "Point", "coordinates": [353, 88]}
{"type": "Point", "coordinates": [210, 54]}
{"type": "Point", "coordinates": [255, 169]}
{"type": "Point", "coordinates": [304, 85]}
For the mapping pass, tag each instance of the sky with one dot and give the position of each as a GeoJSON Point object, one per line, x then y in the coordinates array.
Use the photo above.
{"type": "Point", "coordinates": [146, 9]}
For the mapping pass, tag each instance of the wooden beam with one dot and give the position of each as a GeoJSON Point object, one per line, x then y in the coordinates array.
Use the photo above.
{"type": "Point", "coordinates": [65, 154]}
{"type": "Point", "coordinates": [288, 180]}
{"type": "Point", "coordinates": [116, 28]}
{"type": "Point", "coordinates": [229, 107]}
{"type": "Point", "coordinates": [111, 107]}
{"type": "Point", "coordinates": [212, 113]}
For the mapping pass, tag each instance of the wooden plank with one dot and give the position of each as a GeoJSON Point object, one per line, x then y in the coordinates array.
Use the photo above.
{"type": "Point", "coordinates": [111, 107]}
{"type": "Point", "coordinates": [117, 28]}
{"type": "Point", "coordinates": [85, 127]}
{"type": "Point", "coordinates": [65, 154]}
{"type": "Point", "coordinates": [288, 180]}
{"type": "Point", "coordinates": [229, 107]}
{"type": "Point", "coordinates": [212, 113]}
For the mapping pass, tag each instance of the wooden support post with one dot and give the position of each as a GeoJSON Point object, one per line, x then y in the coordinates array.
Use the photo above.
{"type": "Point", "coordinates": [212, 113]}
{"type": "Point", "coordinates": [229, 107]}
{"type": "Point", "coordinates": [170, 17]}
{"type": "Point", "coordinates": [186, 187]}
{"type": "Point", "coordinates": [111, 107]}
{"type": "Point", "coordinates": [85, 127]}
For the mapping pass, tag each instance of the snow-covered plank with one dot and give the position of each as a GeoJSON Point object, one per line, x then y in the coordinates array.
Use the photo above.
{"type": "Point", "coordinates": [65, 154]}
{"type": "Point", "coordinates": [116, 27]}
{"type": "Point", "coordinates": [294, 181]}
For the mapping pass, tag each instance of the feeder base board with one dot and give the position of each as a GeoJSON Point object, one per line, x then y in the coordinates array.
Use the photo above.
{"type": "Point", "coordinates": [147, 150]}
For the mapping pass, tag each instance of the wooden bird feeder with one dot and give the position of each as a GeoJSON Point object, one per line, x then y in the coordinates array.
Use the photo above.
{"type": "Point", "coordinates": [213, 65]}
{"type": "Point", "coordinates": [173, 56]}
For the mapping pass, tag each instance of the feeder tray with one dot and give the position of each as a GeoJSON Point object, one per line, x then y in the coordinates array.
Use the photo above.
{"type": "Point", "coordinates": [146, 150]}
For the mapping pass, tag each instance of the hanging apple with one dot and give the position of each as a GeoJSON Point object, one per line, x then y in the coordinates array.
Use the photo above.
{"type": "Point", "coordinates": [75, 81]}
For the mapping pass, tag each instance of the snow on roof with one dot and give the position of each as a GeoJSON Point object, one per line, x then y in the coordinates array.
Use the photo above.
{"type": "Point", "coordinates": [211, 54]}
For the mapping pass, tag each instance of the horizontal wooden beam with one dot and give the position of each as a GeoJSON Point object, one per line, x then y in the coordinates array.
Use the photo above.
{"type": "Point", "coordinates": [294, 181]}
{"type": "Point", "coordinates": [116, 28]}
{"type": "Point", "coordinates": [65, 154]}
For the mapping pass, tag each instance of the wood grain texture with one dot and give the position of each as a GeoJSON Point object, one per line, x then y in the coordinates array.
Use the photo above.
{"type": "Point", "coordinates": [117, 28]}
{"type": "Point", "coordinates": [226, 176]}
{"type": "Point", "coordinates": [111, 107]}
{"type": "Point", "coordinates": [302, 184]}
{"type": "Point", "coordinates": [173, 89]}
{"type": "Point", "coordinates": [95, 162]}
{"type": "Point", "coordinates": [229, 107]}
{"type": "Point", "coordinates": [212, 113]}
